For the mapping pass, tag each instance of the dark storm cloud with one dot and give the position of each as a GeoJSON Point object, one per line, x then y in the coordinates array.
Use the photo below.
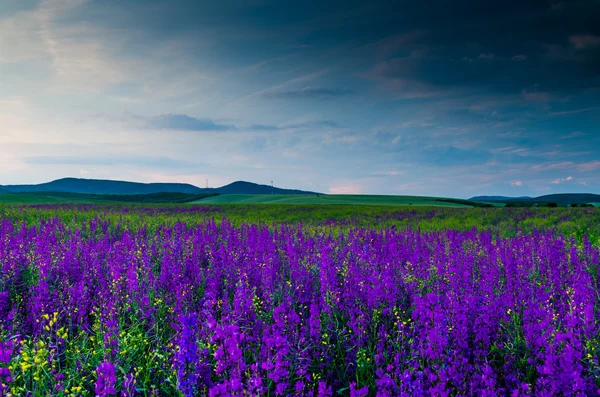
{"type": "Point", "coordinates": [501, 46]}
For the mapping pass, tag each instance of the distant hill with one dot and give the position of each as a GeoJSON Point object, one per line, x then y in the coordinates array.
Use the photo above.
{"type": "Point", "coordinates": [100, 186]}
{"type": "Point", "coordinates": [569, 198]}
{"type": "Point", "coordinates": [241, 187]}
{"type": "Point", "coordinates": [103, 187]}
{"type": "Point", "coordinates": [562, 199]}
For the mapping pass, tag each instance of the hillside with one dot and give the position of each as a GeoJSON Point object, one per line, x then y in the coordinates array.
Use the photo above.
{"type": "Point", "coordinates": [562, 199]}
{"type": "Point", "coordinates": [569, 198]}
{"type": "Point", "coordinates": [100, 186]}
{"type": "Point", "coordinates": [241, 187]}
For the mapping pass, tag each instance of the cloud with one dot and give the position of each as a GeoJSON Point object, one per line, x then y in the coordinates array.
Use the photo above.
{"type": "Point", "coordinates": [557, 7]}
{"type": "Point", "coordinates": [536, 96]}
{"type": "Point", "coordinates": [584, 41]}
{"type": "Point", "coordinates": [484, 56]}
{"type": "Point", "coordinates": [264, 127]}
{"type": "Point", "coordinates": [183, 122]}
{"type": "Point", "coordinates": [589, 166]}
{"type": "Point", "coordinates": [392, 44]}
{"type": "Point", "coordinates": [309, 93]}
{"type": "Point", "coordinates": [558, 181]}
{"type": "Point", "coordinates": [552, 166]}
{"type": "Point", "coordinates": [489, 56]}
{"type": "Point", "coordinates": [345, 188]}
{"type": "Point", "coordinates": [452, 155]}
{"type": "Point", "coordinates": [574, 111]}
{"type": "Point", "coordinates": [574, 134]}
{"type": "Point", "coordinates": [389, 173]}
{"type": "Point", "coordinates": [149, 161]}
{"type": "Point", "coordinates": [517, 183]}
{"type": "Point", "coordinates": [519, 58]}
{"type": "Point", "coordinates": [309, 124]}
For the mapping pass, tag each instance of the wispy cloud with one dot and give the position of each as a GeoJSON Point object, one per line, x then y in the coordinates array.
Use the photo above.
{"type": "Point", "coordinates": [519, 58]}
{"type": "Point", "coordinates": [536, 96]}
{"type": "Point", "coordinates": [308, 124]}
{"type": "Point", "coordinates": [517, 183]}
{"type": "Point", "coordinates": [574, 134]}
{"type": "Point", "coordinates": [345, 188]}
{"type": "Point", "coordinates": [558, 181]}
{"type": "Point", "coordinates": [584, 41]}
{"type": "Point", "coordinates": [390, 173]}
{"type": "Point", "coordinates": [574, 111]}
{"type": "Point", "coordinates": [108, 160]}
{"type": "Point", "coordinates": [589, 166]}
{"type": "Point", "coordinates": [392, 44]}
{"type": "Point", "coordinates": [181, 122]}
{"type": "Point", "coordinates": [553, 166]}
{"type": "Point", "coordinates": [309, 93]}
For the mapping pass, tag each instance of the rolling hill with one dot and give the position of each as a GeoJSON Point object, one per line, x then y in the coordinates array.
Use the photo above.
{"type": "Point", "coordinates": [562, 199]}
{"type": "Point", "coordinates": [101, 186]}
{"type": "Point", "coordinates": [241, 187]}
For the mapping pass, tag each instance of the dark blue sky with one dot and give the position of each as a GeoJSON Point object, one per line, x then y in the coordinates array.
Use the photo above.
{"type": "Point", "coordinates": [453, 98]}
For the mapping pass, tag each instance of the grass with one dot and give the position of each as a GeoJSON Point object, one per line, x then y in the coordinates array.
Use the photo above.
{"type": "Point", "coordinates": [26, 198]}
{"type": "Point", "coordinates": [345, 199]}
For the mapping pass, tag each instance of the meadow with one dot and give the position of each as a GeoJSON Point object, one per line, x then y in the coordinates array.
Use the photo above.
{"type": "Point", "coordinates": [267, 300]}
{"type": "Point", "coordinates": [44, 197]}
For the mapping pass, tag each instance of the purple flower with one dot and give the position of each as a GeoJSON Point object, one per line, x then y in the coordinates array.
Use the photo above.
{"type": "Point", "coordinates": [105, 383]}
{"type": "Point", "coordinates": [187, 357]}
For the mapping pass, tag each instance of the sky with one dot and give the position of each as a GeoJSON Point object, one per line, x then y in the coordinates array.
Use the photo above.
{"type": "Point", "coordinates": [447, 98]}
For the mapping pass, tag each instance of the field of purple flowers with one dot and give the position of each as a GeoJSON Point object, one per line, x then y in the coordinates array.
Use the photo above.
{"type": "Point", "coordinates": [90, 305]}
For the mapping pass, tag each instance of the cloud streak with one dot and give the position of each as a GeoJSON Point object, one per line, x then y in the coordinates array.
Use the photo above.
{"type": "Point", "coordinates": [182, 122]}
{"type": "Point", "coordinates": [110, 160]}
{"type": "Point", "coordinates": [309, 93]}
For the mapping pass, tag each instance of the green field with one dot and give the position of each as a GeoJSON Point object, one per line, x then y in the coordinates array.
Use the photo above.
{"type": "Point", "coordinates": [165, 198]}
{"type": "Point", "coordinates": [84, 198]}
{"type": "Point", "coordinates": [324, 199]}
{"type": "Point", "coordinates": [26, 198]}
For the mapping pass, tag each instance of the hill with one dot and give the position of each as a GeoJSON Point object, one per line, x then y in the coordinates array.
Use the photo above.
{"type": "Point", "coordinates": [241, 187]}
{"type": "Point", "coordinates": [83, 198]}
{"type": "Point", "coordinates": [569, 198]}
{"type": "Point", "coordinates": [100, 186]}
{"type": "Point", "coordinates": [561, 199]}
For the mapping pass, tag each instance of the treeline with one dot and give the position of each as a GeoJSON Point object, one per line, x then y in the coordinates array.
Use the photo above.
{"type": "Point", "coordinates": [527, 204]}
{"type": "Point", "coordinates": [465, 202]}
